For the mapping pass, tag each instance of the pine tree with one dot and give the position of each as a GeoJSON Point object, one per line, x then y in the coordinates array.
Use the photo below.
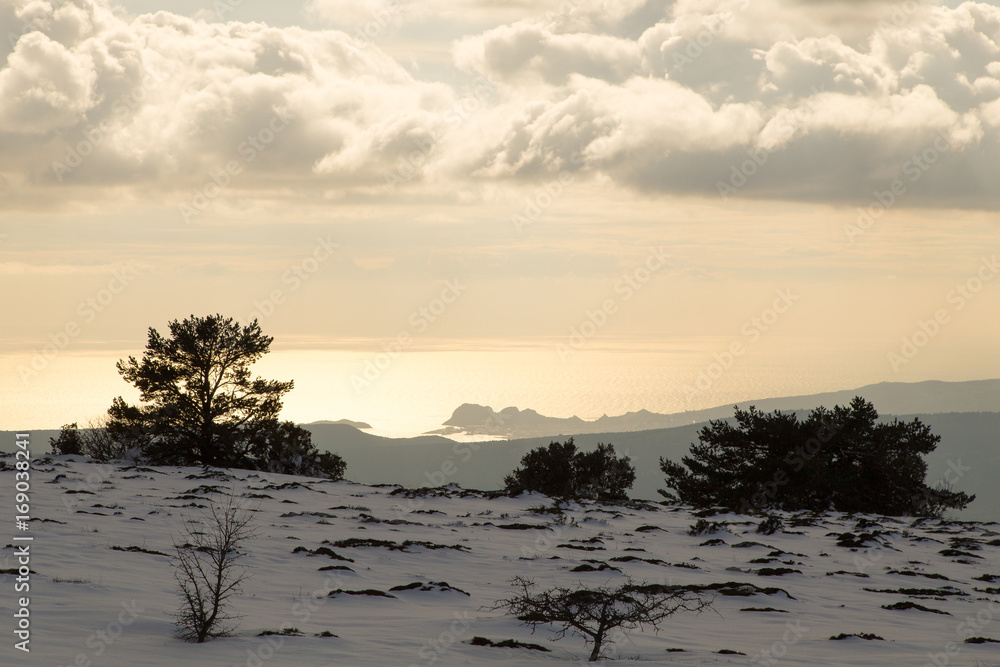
{"type": "Point", "coordinates": [200, 405]}
{"type": "Point", "coordinates": [842, 459]}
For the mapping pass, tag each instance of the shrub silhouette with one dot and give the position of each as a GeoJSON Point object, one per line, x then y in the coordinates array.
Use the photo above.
{"type": "Point", "coordinates": [560, 471]}
{"type": "Point", "coordinates": [288, 449]}
{"type": "Point", "coordinates": [841, 459]}
{"type": "Point", "coordinates": [770, 525]}
{"type": "Point", "coordinates": [96, 440]}
{"type": "Point", "coordinates": [100, 443]}
{"type": "Point", "coordinates": [68, 442]}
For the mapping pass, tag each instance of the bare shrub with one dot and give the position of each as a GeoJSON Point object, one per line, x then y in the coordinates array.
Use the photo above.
{"type": "Point", "coordinates": [592, 613]}
{"type": "Point", "coordinates": [208, 570]}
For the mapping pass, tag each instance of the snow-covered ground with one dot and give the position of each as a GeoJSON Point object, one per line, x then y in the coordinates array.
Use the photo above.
{"type": "Point", "coordinates": [94, 604]}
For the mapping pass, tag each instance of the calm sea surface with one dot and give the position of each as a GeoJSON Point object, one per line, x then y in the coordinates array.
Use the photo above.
{"type": "Point", "coordinates": [410, 391]}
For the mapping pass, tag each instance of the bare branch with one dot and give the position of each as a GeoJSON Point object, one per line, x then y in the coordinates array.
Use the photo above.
{"type": "Point", "coordinates": [592, 613]}
{"type": "Point", "coordinates": [208, 572]}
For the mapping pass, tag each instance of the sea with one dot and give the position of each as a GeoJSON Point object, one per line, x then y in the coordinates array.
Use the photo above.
{"type": "Point", "coordinates": [405, 391]}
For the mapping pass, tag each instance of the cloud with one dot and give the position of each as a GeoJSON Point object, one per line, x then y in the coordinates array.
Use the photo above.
{"type": "Point", "coordinates": [168, 101]}
{"type": "Point", "coordinates": [44, 87]}
{"type": "Point", "coordinates": [25, 269]}
{"type": "Point", "coordinates": [509, 52]}
{"type": "Point", "coordinates": [705, 86]}
{"type": "Point", "coordinates": [612, 128]}
{"type": "Point", "coordinates": [657, 96]}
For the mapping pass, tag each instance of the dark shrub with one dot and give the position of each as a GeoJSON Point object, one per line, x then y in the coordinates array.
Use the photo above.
{"type": "Point", "coordinates": [68, 442]}
{"type": "Point", "coordinates": [842, 459]}
{"type": "Point", "coordinates": [560, 471]}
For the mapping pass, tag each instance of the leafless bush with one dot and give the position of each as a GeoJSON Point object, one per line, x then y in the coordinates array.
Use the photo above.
{"type": "Point", "coordinates": [592, 613]}
{"type": "Point", "coordinates": [208, 572]}
{"type": "Point", "coordinates": [99, 443]}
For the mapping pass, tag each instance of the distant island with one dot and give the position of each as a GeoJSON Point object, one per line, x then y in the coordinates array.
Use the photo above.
{"type": "Point", "coordinates": [346, 422]}
{"type": "Point", "coordinates": [892, 398]}
{"type": "Point", "coordinates": [471, 419]}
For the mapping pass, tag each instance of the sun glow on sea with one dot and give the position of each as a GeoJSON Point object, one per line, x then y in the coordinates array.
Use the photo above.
{"type": "Point", "coordinates": [415, 390]}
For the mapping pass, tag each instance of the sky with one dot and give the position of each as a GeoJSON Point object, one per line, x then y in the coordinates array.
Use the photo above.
{"type": "Point", "coordinates": [576, 178]}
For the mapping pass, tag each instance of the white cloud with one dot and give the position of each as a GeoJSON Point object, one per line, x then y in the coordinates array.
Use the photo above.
{"type": "Point", "coordinates": [168, 99]}
{"type": "Point", "coordinates": [655, 95]}
{"type": "Point", "coordinates": [525, 49]}
{"type": "Point", "coordinates": [720, 77]}
{"type": "Point", "coordinates": [44, 87]}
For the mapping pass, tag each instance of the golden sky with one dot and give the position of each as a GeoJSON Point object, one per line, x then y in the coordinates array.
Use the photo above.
{"type": "Point", "coordinates": [334, 167]}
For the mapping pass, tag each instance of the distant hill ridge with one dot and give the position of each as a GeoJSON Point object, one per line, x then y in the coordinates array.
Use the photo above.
{"type": "Point", "coordinates": [896, 398]}
{"type": "Point", "coordinates": [965, 414]}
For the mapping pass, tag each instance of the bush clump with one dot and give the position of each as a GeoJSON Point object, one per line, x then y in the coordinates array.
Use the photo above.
{"type": "Point", "coordinates": [561, 471]}
{"type": "Point", "coordinates": [771, 525]}
{"type": "Point", "coordinates": [842, 459]}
